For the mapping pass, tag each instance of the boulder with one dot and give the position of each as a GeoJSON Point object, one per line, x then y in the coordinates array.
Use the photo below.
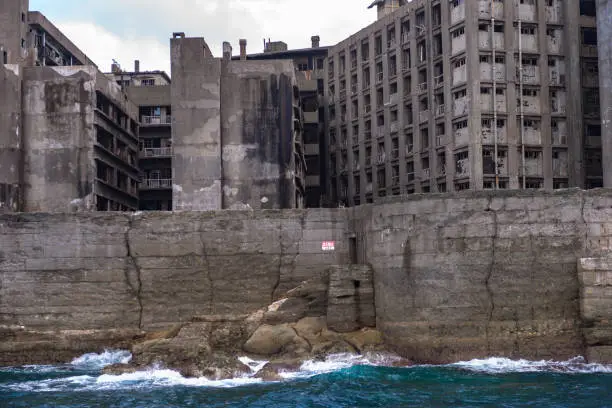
{"type": "Point", "coordinates": [269, 340]}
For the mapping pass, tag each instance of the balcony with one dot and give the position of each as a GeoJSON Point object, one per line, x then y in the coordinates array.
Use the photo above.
{"type": "Point", "coordinates": [405, 38]}
{"type": "Point", "coordinates": [440, 110]}
{"type": "Point", "coordinates": [423, 87]}
{"type": "Point", "coordinates": [155, 120]}
{"type": "Point", "coordinates": [426, 174]}
{"type": "Point", "coordinates": [156, 184]}
{"type": "Point", "coordinates": [439, 80]}
{"type": "Point", "coordinates": [379, 77]}
{"type": "Point", "coordinates": [156, 152]}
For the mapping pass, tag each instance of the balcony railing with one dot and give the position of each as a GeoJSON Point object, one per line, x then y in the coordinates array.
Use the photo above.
{"type": "Point", "coordinates": [424, 116]}
{"type": "Point", "coordinates": [379, 77]}
{"type": "Point", "coordinates": [156, 120]}
{"type": "Point", "coordinates": [440, 110]}
{"type": "Point", "coordinates": [155, 184]}
{"type": "Point", "coordinates": [156, 152]}
{"type": "Point", "coordinates": [439, 80]}
{"type": "Point", "coordinates": [423, 87]}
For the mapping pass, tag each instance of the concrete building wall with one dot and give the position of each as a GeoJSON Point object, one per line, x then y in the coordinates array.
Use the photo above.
{"type": "Point", "coordinates": [433, 77]}
{"type": "Point", "coordinates": [13, 31]}
{"type": "Point", "coordinates": [604, 29]}
{"type": "Point", "coordinates": [257, 122]}
{"type": "Point", "coordinates": [11, 143]}
{"type": "Point", "coordinates": [196, 134]}
{"type": "Point", "coordinates": [58, 123]}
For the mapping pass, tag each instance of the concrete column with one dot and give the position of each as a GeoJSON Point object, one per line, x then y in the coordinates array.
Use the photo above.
{"type": "Point", "coordinates": [604, 28]}
{"type": "Point", "coordinates": [196, 132]}
{"type": "Point", "coordinates": [243, 51]}
{"type": "Point", "coordinates": [11, 144]}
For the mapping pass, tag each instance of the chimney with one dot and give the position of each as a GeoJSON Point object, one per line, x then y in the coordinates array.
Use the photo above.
{"type": "Point", "coordinates": [316, 40]}
{"type": "Point", "coordinates": [227, 51]}
{"type": "Point", "coordinates": [137, 66]}
{"type": "Point", "coordinates": [243, 44]}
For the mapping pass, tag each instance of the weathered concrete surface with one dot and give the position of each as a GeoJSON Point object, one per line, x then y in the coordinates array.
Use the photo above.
{"type": "Point", "coordinates": [11, 144]}
{"type": "Point", "coordinates": [350, 298]}
{"type": "Point", "coordinates": [483, 274]}
{"type": "Point", "coordinates": [258, 134]}
{"type": "Point", "coordinates": [455, 276]}
{"type": "Point", "coordinates": [596, 306]}
{"type": "Point", "coordinates": [604, 45]}
{"type": "Point", "coordinates": [58, 122]}
{"type": "Point", "coordinates": [196, 132]}
{"type": "Point", "coordinates": [13, 30]}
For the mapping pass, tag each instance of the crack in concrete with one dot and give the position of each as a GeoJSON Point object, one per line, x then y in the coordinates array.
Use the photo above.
{"type": "Point", "coordinates": [490, 274]}
{"type": "Point", "coordinates": [211, 304]}
{"type": "Point", "coordinates": [137, 292]}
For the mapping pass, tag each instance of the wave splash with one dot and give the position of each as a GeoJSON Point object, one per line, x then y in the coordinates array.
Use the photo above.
{"type": "Point", "coordinates": [95, 361]}
{"type": "Point", "coordinates": [499, 365]}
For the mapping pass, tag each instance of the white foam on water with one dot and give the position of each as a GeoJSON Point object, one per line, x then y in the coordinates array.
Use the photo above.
{"type": "Point", "coordinates": [337, 362]}
{"type": "Point", "coordinates": [254, 365]}
{"type": "Point", "coordinates": [94, 361]}
{"type": "Point", "coordinates": [500, 365]}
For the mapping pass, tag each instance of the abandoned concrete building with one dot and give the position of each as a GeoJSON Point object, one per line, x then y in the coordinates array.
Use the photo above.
{"type": "Point", "coordinates": [68, 135]}
{"type": "Point", "coordinates": [236, 131]}
{"type": "Point", "coordinates": [309, 66]}
{"type": "Point", "coordinates": [440, 96]}
{"type": "Point", "coordinates": [150, 91]}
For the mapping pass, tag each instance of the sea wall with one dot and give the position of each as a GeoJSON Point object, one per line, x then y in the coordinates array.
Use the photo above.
{"type": "Point", "coordinates": [150, 271]}
{"type": "Point", "coordinates": [455, 276]}
{"type": "Point", "coordinates": [484, 274]}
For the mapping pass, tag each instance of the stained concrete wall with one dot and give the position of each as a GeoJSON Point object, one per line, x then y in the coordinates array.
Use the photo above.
{"type": "Point", "coordinates": [483, 274]}
{"type": "Point", "coordinates": [257, 134]}
{"type": "Point", "coordinates": [11, 160]}
{"type": "Point", "coordinates": [455, 276]}
{"type": "Point", "coordinates": [196, 134]}
{"type": "Point", "coordinates": [13, 30]}
{"type": "Point", "coordinates": [58, 118]}
{"type": "Point", "coordinates": [111, 270]}
{"type": "Point", "coordinates": [604, 33]}
{"type": "Point", "coordinates": [596, 306]}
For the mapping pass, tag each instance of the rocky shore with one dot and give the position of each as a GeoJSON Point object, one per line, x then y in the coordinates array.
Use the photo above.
{"type": "Point", "coordinates": [327, 315]}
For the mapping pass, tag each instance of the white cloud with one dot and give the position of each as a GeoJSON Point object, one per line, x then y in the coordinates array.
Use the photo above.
{"type": "Point", "coordinates": [140, 29]}
{"type": "Point", "coordinates": [102, 47]}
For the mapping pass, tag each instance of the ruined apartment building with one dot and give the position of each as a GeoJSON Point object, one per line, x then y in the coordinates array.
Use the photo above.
{"type": "Point", "coordinates": [604, 29]}
{"type": "Point", "coordinates": [236, 131]}
{"type": "Point", "coordinates": [309, 66]}
{"type": "Point", "coordinates": [68, 135]}
{"type": "Point", "coordinates": [150, 91]}
{"type": "Point", "coordinates": [440, 96]}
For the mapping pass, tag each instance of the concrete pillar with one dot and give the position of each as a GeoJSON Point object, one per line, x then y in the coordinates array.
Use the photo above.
{"type": "Point", "coordinates": [604, 33]}
{"type": "Point", "coordinates": [196, 132]}
{"type": "Point", "coordinates": [316, 41]}
{"type": "Point", "coordinates": [243, 52]}
{"type": "Point", "coordinates": [11, 143]}
{"type": "Point", "coordinates": [227, 51]}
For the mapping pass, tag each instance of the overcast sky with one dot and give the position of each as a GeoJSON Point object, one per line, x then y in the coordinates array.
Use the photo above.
{"type": "Point", "coordinates": [140, 29]}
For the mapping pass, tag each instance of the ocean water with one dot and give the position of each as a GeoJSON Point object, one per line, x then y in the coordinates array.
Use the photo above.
{"type": "Point", "coordinates": [340, 381]}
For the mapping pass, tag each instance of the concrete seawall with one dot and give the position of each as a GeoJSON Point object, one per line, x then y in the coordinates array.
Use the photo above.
{"type": "Point", "coordinates": [456, 277]}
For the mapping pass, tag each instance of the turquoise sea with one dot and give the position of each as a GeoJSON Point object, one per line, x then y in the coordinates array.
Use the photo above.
{"type": "Point", "coordinates": [340, 381]}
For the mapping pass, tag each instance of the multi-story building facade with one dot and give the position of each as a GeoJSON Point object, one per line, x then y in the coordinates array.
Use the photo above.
{"type": "Point", "coordinates": [150, 91]}
{"type": "Point", "coordinates": [68, 137]}
{"type": "Point", "coordinates": [604, 30]}
{"type": "Point", "coordinates": [440, 96]}
{"type": "Point", "coordinates": [236, 131]}
{"type": "Point", "coordinates": [310, 73]}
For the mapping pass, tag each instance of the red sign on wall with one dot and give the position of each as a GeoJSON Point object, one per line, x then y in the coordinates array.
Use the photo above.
{"type": "Point", "coordinates": [328, 246]}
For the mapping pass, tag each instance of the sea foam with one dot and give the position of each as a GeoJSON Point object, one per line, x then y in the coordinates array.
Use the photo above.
{"type": "Point", "coordinates": [499, 365]}
{"type": "Point", "coordinates": [94, 361]}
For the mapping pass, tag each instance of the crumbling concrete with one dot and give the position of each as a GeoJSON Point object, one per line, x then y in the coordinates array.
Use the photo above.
{"type": "Point", "coordinates": [11, 143]}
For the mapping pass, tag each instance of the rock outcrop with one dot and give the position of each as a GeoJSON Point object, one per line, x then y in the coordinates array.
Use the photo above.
{"type": "Point", "coordinates": [289, 331]}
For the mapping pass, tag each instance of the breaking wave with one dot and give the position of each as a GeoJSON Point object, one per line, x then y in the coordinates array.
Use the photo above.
{"type": "Point", "coordinates": [498, 365]}
{"type": "Point", "coordinates": [94, 361]}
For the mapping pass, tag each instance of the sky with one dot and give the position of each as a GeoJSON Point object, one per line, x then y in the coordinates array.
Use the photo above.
{"type": "Point", "coordinates": [126, 30]}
